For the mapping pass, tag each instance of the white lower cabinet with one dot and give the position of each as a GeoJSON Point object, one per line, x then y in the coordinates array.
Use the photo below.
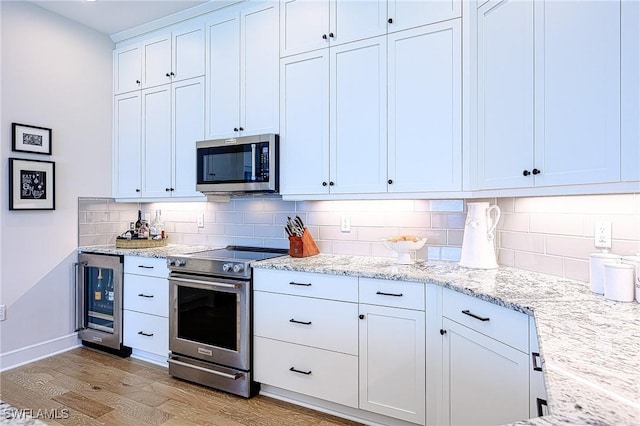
{"type": "Point", "coordinates": [146, 308]}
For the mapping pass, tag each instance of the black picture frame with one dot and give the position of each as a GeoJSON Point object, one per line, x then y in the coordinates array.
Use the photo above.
{"type": "Point", "coordinates": [31, 184]}
{"type": "Point", "coordinates": [27, 138]}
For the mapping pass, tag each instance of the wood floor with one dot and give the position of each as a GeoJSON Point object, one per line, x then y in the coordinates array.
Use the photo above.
{"type": "Point", "coordinates": [95, 388]}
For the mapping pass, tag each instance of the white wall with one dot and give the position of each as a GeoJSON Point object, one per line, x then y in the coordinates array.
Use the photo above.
{"type": "Point", "coordinates": [56, 74]}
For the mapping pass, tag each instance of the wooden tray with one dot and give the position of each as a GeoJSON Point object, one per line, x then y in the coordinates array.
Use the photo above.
{"type": "Point", "coordinates": [136, 243]}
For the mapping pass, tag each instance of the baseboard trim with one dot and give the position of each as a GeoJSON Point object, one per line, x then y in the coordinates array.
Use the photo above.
{"type": "Point", "coordinates": [38, 351]}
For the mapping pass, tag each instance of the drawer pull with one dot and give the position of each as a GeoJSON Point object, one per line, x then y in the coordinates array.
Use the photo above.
{"type": "Point", "coordinates": [302, 284]}
{"type": "Point", "coordinates": [472, 315]}
{"type": "Point", "coordinates": [300, 322]}
{"type": "Point", "coordinates": [145, 267]}
{"type": "Point", "coordinates": [389, 294]}
{"type": "Point", "coordinates": [142, 333]}
{"type": "Point", "coordinates": [535, 356]}
{"type": "Point", "coordinates": [146, 295]}
{"type": "Point", "coordinates": [306, 373]}
{"type": "Point", "coordinates": [541, 404]}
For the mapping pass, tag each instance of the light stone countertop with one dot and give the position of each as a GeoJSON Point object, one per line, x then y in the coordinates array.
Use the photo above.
{"type": "Point", "coordinates": [158, 252]}
{"type": "Point", "coordinates": [590, 345]}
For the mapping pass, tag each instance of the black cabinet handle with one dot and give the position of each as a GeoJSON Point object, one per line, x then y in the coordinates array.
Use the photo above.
{"type": "Point", "coordinates": [526, 173]}
{"type": "Point", "coordinates": [536, 171]}
{"type": "Point", "coordinates": [443, 332]}
{"type": "Point", "coordinates": [331, 183]}
{"type": "Point", "coordinates": [361, 316]}
{"type": "Point", "coordinates": [535, 356]}
{"type": "Point", "coordinates": [300, 322]}
{"type": "Point", "coordinates": [389, 294]}
{"type": "Point", "coordinates": [472, 315]}
{"type": "Point", "coordinates": [390, 21]}
{"type": "Point", "coordinates": [142, 333]}
{"type": "Point", "coordinates": [324, 183]}
{"type": "Point", "coordinates": [302, 284]}
{"type": "Point", "coordinates": [539, 404]}
{"type": "Point", "coordinates": [301, 372]}
{"type": "Point", "coordinates": [145, 267]}
{"type": "Point", "coordinates": [146, 295]}
{"type": "Point", "coordinates": [390, 181]}
{"type": "Point", "coordinates": [331, 35]}
{"type": "Point", "coordinates": [324, 36]}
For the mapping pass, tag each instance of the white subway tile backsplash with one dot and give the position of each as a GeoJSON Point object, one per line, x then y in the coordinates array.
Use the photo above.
{"type": "Point", "coordinates": [514, 222]}
{"type": "Point", "coordinates": [532, 243]}
{"type": "Point", "coordinates": [564, 224]}
{"type": "Point", "coordinates": [576, 269]}
{"type": "Point", "coordinates": [538, 263]}
{"type": "Point", "coordinates": [568, 246]}
{"type": "Point", "coordinates": [448, 221]}
{"type": "Point", "coordinates": [258, 217]}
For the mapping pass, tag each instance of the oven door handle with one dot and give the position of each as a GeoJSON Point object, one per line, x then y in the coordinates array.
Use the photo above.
{"type": "Point", "coordinates": [206, 370]}
{"type": "Point", "coordinates": [207, 283]}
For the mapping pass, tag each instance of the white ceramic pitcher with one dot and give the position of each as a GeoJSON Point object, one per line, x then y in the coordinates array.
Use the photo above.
{"type": "Point", "coordinates": [478, 250]}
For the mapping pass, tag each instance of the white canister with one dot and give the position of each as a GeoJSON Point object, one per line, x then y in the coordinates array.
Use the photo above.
{"type": "Point", "coordinates": [635, 262]}
{"type": "Point", "coordinates": [618, 282]}
{"type": "Point", "coordinates": [596, 269]}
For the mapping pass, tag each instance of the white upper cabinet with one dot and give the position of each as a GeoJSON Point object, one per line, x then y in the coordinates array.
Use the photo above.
{"type": "Point", "coordinates": [175, 56]}
{"type": "Point", "coordinates": [424, 83]}
{"type": "Point", "coordinates": [127, 147]}
{"type": "Point", "coordinates": [242, 72]}
{"type": "Point", "coordinates": [404, 14]}
{"type": "Point", "coordinates": [309, 24]}
{"type": "Point", "coordinates": [548, 93]}
{"type": "Point", "coordinates": [156, 141]}
{"type": "Point", "coordinates": [630, 90]}
{"type": "Point", "coordinates": [127, 69]}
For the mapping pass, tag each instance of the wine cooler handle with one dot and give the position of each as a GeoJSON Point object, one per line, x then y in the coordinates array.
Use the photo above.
{"type": "Point", "coordinates": [80, 294]}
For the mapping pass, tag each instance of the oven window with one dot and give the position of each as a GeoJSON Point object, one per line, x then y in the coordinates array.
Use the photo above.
{"type": "Point", "coordinates": [209, 317]}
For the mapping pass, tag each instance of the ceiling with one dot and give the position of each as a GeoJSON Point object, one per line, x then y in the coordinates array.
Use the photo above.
{"type": "Point", "coordinates": [113, 16]}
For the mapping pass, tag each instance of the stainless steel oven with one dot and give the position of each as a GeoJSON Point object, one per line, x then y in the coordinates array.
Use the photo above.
{"type": "Point", "coordinates": [210, 321]}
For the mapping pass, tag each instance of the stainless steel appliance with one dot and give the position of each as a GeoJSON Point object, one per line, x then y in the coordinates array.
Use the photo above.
{"type": "Point", "coordinates": [210, 321]}
{"type": "Point", "coordinates": [99, 302]}
{"type": "Point", "coordinates": [237, 165]}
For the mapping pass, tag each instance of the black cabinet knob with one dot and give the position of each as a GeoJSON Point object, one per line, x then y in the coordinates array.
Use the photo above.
{"type": "Point", "coordinates": [240, 128]}
{"type": "Point", "coordinates": [536, 171]}
{"type": "Point", "coordinates": [235, 129]}
{"type": "Point", "coordinates": [324, 36]}
{"type": "Point", "coordinates": [168, 75]}
{"type": "Point", "coordinates": [390, 21]}
{"type": "Point", "coordinates": [526, 173]}
{"type": "Point", "coordinates": [443, 332]}
{"type": "Point", "coordinates": [390, 181]}
{"type": "Point", "coordinates": [331, 35]}
{"type": "Point", "coordinates": [331, 183]}
{"type": "Point", "coordinates": [137, 81]}
{"type": "Point", "coordinates": [137, 189]}
{"type": "Point", "coordinates": [361, 316]}
{"type": "Point", "coordinates": [167, 189]}
{"type": "Point", "coordinates": [324, 183]}
{"type": "Point", "coordinates": [172, 74]}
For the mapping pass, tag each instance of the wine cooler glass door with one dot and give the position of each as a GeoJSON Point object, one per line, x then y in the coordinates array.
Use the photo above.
{"type": "Point", "coordinates": [99, 284]}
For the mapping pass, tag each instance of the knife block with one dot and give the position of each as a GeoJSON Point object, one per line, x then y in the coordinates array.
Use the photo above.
{"type": "Point", "coordinates": [302, 246]}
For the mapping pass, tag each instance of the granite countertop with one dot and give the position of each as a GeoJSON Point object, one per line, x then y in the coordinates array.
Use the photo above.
{"type": "Point", "coordinates": [590, 345]}
{"type": "Point", "coordinates": [159, 252]}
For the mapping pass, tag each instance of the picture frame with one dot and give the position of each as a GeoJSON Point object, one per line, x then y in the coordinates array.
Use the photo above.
{"type": "Point", "coordinates": [31, 184]}
{"type": "Point", "coordinates": [26, 138]}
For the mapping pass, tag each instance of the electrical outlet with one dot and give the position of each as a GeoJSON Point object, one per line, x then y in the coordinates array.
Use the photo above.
{"type": "Point", "coordinates": [3, 312]}
{"type": "Point", "coordinates": [200, 220]}
{"type": "Point", "coordinates": [345, 224]}
{"type": "Point", "coordinates": [602, 235]}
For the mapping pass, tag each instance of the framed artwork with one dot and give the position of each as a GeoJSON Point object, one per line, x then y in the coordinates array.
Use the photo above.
{"type": "Point", "coordinates": [31, 139]}
{"type": "Point", "coordinates": [31, 184]}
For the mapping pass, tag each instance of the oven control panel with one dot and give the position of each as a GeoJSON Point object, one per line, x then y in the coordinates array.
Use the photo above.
{"type": "Point", "coordinates": [176, 262]}
{"type": "Point", "coordinates": [238, 268]}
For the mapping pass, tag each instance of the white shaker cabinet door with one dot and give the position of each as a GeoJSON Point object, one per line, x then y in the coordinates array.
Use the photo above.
{"type": "Point", "coordinates": [156, 64]}
{"type": "Point", "coordinates": [505, 94]}
{"type": "Point", "coordinates": [187, 52]}
{"type": "Point", "coordinates": [485, 381]}
{"type": "Point", "coordinates": [127, 69]}
{"type": "Point", "coordinates": [356, 20]}
{"type": "Point", "coordinates": [406, 14]}
{"type": "Point", "coordinates": [358, 120]}
{"type": "Point", "coordinates": [156, 137]}
{"type": "Point", "coordinates": [223, 76]}
{"type": "Point", "coordinates": [187, 127]}
{"type": "Point", "coordinates": [577, 92]}
{"type": "Point", "coordinates": [425, 143]}
{"type": "Point", "coordinates": [305, 26]}
{"type": "Point", "coordinates": [392, 362]}
{"type": "Point", "coordinates": [127, 176]}
{"type": "Point", "coordinates": [304, 123]}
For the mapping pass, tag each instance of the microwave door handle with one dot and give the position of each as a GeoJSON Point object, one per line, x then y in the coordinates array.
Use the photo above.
{"type": "Point", "coordinates": [253, 162]}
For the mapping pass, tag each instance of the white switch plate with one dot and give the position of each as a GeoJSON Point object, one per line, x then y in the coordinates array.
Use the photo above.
{"type": "Point", "coordinates": [602, 235]}
{"type": "Point", "coordinates": [345, 224]}
{"type": "Point", "coordinates": [3, 312]}
{"type": "Point", "coordinates": [200, 220]}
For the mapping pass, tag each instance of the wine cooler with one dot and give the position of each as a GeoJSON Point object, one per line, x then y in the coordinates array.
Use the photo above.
{"type": "Point", "coordinates": [99, 302]}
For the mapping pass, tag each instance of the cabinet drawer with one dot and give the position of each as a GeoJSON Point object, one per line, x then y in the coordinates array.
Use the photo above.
{"type": "Point", "coordinates": [502, 324]}
{"type": "Point", "coordinates": [149, 295]}
{"type": "Point", "coordinates": [324, 286]}
{"type": "Point", "coordinates": [324, 324]}
{"type": "Point", "coordinates": [397, 294]}
{"type": "Point", "coordinates": [322, 374]}
{"type": "Point", "coordinates": [146, 332]}
{"type": "Point", "coordinates": [151, 266]}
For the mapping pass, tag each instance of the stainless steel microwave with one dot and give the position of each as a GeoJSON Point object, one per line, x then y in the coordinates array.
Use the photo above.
{"type": "Point", "coordinates": [237, 165]}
